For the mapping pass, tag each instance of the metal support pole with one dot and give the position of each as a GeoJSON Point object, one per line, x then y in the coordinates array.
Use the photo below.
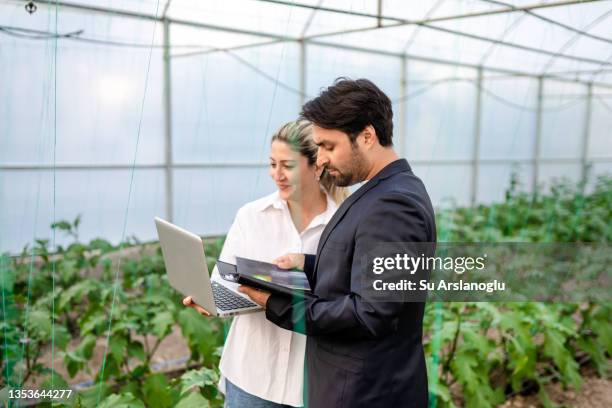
{"type": "Point", "coordinates": [379, 13]}
{"type": "Point", "coordinates": [168, 122]}
{"type": "Point", "coordinates": [587, 132]}
{"type": "Point", "coordinates": [538, 136]}
{"type": "Point", "coordinates": [401, 145]}
{"type": "Point", "coordinates": [250, 165]}
{"type": "Point", "coordinates": [476, 147]}
{"type": "Point", "coordinates": [302, 45]}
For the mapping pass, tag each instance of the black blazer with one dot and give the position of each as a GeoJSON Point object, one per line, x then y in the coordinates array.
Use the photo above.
{"type": "Point", "coordinates": [359, 353]}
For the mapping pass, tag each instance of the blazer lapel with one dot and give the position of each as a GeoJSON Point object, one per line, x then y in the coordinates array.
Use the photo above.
{"type": "Point", "coordinates": [335, 219]}
{"type": "Point", "coordinates": [397, 166]}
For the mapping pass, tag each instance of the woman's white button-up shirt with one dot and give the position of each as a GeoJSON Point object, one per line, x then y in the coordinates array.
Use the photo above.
{"type": "Point", "coordinates": [260, 357]}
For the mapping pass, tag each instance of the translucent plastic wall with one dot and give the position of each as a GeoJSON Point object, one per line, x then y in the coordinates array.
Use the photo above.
{"type": "Point", "coordinates": [103, 130]}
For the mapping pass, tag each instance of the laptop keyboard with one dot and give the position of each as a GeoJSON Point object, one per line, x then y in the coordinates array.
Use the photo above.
{"type": "Point", "coordinates": [225, 299]}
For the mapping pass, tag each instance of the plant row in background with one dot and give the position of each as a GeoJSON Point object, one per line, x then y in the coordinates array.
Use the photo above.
{"type": "Point", "coordinates": [495, 350]}
{"type": "Point", "coordinates": [81, 297]}
{"type": "Point", "coordinates": [483, 352]}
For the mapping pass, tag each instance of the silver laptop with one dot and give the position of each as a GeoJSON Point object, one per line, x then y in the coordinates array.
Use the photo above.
{"type": "Point", "coordinates": [188, 273]}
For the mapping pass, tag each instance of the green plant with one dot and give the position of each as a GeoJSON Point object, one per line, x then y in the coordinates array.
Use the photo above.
{"type": "Point", "coordinates": [479, 354]}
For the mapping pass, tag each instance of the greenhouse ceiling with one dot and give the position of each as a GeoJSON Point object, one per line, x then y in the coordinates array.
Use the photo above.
{"type": "Point", "coordinates": [561, 39]}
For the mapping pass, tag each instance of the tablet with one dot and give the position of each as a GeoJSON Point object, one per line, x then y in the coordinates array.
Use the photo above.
{"type": "Point", "coordinates": [268, 272]}
{"type": "Point", "coordinates": [265, 276]}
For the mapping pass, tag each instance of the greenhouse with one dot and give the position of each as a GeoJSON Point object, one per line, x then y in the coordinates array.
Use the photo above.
{"type": "Point", "coordinates": [115, 112]}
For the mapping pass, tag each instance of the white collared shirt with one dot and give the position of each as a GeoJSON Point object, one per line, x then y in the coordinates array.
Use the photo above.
{"type": "Point", "coordinates": [260, 357]}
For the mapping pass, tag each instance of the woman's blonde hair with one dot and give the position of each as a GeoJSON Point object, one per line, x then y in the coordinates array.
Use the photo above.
{"type": "Point", "coordinates": [298, 135]}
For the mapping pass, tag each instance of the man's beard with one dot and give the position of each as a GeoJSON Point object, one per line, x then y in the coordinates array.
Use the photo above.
{"type": "Point", "coordinates": [355, 173]}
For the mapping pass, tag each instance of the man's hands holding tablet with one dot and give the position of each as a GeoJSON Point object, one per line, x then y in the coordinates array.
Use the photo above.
{"type": "Point", "coordinates": [287, 261]}
{"type": "Point", "coordinates": [258, 296]}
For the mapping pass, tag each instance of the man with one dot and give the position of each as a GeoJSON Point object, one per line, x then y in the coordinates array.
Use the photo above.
{"type": "Point", "coordinates": [360, 352]}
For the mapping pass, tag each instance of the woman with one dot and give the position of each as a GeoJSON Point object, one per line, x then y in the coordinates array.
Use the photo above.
{"type": "Point", "coordinates": [262, 364]}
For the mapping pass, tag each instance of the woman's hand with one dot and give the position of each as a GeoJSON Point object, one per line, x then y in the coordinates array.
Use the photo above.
{"type": "Point", "coordinates": [290, 261]}
{"type": "Point", "coordinates": [188, 301]}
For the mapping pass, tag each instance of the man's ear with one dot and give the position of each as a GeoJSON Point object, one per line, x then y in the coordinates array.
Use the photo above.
{"type": "Point", "coordinates": [369, 136]}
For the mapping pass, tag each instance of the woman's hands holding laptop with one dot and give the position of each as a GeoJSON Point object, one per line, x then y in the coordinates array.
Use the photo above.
{"type": "Point", "coordinates": [290, 261]}
{"type": "Point", "coordinates": [188, 301]}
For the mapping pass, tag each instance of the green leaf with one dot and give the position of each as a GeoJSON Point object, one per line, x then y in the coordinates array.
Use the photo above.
{"type": "Point", "coordinates": [475, 340]}
{"type": "Point", "coordinates": [90, 397]}
{"type": "Point", "coordinates": [474, 377]}
{"type": "Point", "coordinates": [603, 328]}
{"type": "Point", "coordinates": [117, 346]}
{"type": "Point", "coordinates": [596, 353]}
{"type": "Point", "coordinates": [156, 391]}
{"type": "Point", "coordinates": [62, 225]}
{"type": "Point", "coordinates": [66, 297]}
{"type": "Point", "coordinates": [464, 368]}
{"type": "Point", "coordinates": [61, 336]}
{"type": "Point", "coordinates": [162, 323]}
{"type": "Point", "coordinates": [127, 400]}
{"type": "Point", "coordinates": [198, 378]}
{"type": "Point", "coordinates": [554, 347]}
{"type": "Point", "coordinates": [202, 337]}
{"type": "Point", "coordinates": [193, 400]}
{"type": "Point", "coordinates": [111, 369]}
{"type": "Point", "coordinates": [140, 371]}
{"type": "Point", "coordinates": [85, 348]}
{"type": "Point", "coordinates": [441, 390]}
{"type": "Point", "coordinates": [136, 349]}
{"type": "Point", "coordinates": [58, 381]}
{"type": "Point", "coordinates": [94, 323]}
{"type": "Point", "coordinates": [68, 270]}
{"type": "Point", "coordinates": [132, 387]}
{"type": "Point", "coordinates": [100, 244]}
{"type": "Point", "coordinates": [544, 398]}
{"type": "Point", "coordinates": [40, 324]}
{"type": "Point", "coordinates": [73, 363]}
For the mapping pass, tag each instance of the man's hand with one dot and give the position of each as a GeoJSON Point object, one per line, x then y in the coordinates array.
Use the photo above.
{"type": "Point", "coordinates": [258, 296]}
{"type": "Point", "coordinates": [290, 261]}
{"type": "Point", "coordinates": [188, 301]}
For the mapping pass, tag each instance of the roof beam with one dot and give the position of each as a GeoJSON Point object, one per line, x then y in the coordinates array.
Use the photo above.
{"type": "Point", "coordinates": [309, 21]}
{"type": "Point", "coordinates": [427, 23]}
{"type": "Point", "coordinates": [505, 72]}
{"type": "Point", "coordinates": [113, 12]}
{"type": "Point", "coordinates": [509, 9]}
{"type": "Point", "coordinates": [553, 22]}
{"type": "Point", "coordinates": [280, 38]}
{"type": "Point", "coordinates": [442, 61]}
{"type": "Point", "coordinates": [401, 22]}
{"type": "Point", "coordinates": [166, 8]}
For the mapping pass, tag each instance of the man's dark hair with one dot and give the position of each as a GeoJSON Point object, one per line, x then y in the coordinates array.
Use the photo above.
{"type": "Point", "coordinates": [351, 105]}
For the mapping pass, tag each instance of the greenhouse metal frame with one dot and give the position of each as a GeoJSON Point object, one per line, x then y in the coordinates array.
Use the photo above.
{"type": "Point", "coordinates": [380, 22]}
